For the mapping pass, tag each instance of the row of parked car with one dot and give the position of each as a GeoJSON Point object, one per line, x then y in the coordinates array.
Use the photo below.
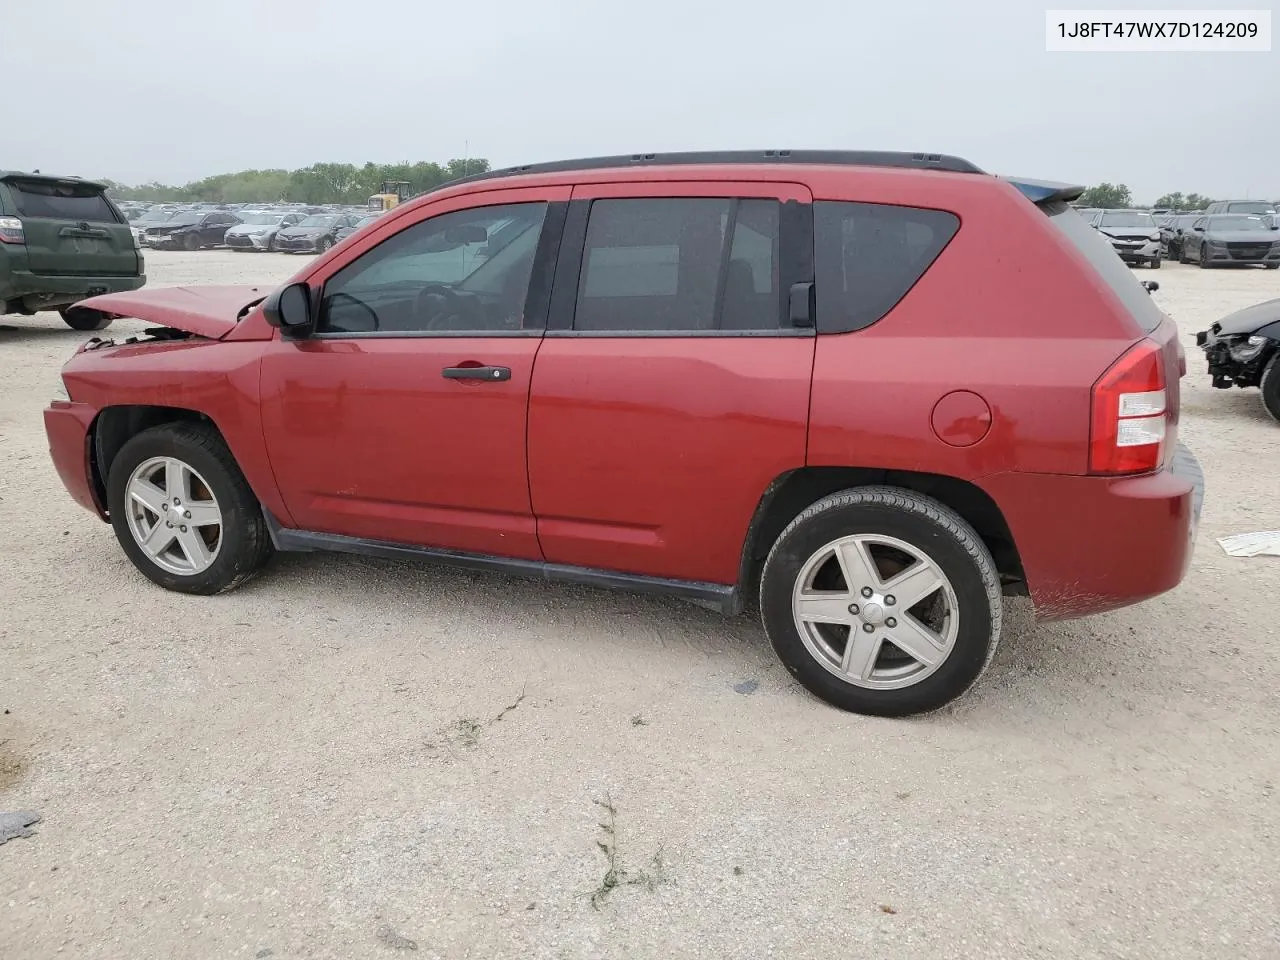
{"type": "Point", "coordinates": [286, 230]}
{"type": "Point", "coordinates": [1227, 233]}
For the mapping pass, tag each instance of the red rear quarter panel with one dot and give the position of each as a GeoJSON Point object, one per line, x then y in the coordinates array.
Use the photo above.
{"type": "Point", "coordinates": [1011, 312]}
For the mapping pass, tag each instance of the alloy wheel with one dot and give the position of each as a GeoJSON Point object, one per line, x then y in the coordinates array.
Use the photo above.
{"type": "Point", "coordinates": [875, 611]}
{"type": "Point", "coordinates": [173, 515]}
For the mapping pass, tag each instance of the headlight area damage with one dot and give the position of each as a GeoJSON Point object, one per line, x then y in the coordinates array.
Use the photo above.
{"type": "Point", "coordinates": [214, 313]}
{"type": "Point", "coordinates": [1243, 350]}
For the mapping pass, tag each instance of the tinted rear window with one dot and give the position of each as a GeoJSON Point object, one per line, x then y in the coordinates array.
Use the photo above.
{"type": "Point", "coordinates": [61, 201]}
{"type": "Point", "coordinates": [1103, 258]}
{"type": "Point", "coordinates": [869, 255]}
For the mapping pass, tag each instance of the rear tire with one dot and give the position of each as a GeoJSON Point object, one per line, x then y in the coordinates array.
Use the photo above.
{"type": "Point", "coordinates": [237, 545]}
{"type": "Point", "coordinates": [1270, 384]}
{"type": "Point", "coordinates": [1182, 254]}
{"type": "Point", "coordinates": [271, 243]}
{"type": "Point", "coordinates": [918, 654]}
{"type": "Point", "coordinates": [84, 318]}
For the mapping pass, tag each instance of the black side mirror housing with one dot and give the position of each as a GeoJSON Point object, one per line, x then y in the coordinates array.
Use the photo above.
{"type": "Point", "coordinates": [290, 309]}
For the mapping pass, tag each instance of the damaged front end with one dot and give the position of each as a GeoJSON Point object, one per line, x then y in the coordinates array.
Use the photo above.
{"type": "Point", "coordinates": [1239, 347]}
{"type": "Point", "coordinates": [1236, 360]}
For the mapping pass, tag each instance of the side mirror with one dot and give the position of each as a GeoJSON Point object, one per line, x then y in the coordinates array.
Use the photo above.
{"type": "Point", "coordinates": [1198, 229]}
{"type": "Point", "coordinates": [289, 308]}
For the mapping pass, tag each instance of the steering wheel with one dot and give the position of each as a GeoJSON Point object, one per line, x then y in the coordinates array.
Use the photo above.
{"type": "Point", "coordinates": [456, 313]}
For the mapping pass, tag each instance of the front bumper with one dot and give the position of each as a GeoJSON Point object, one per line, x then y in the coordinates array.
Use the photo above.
{"type": "Point", "coordinates": [297, 244]}
{"type": "Point", "coordinates": [247, 241]}
{"type": "Point", "coordinates": [67, 424]}
{"type": "Point", "coordinates": [1231, 253]}
{"type": "Point", "coordinates": [1137, 253]}
{"type": "Point", "coordinates": [1092, 544]}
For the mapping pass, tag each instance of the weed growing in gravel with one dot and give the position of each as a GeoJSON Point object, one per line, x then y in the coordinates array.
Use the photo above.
{"type": "Point", "coordinates": [465, 732]}
{"type": "Point", "coordinates": [615, 875]}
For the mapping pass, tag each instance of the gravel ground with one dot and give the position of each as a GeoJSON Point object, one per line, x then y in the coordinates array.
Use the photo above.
{"type": "Point", "coordinates": [358, 758]}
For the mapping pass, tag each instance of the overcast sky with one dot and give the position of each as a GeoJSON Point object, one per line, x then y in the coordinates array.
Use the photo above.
{"type": "Point", "coordinates": [137, 90]}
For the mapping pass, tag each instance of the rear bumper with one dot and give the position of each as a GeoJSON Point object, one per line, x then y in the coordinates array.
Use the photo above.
{"type": "Point", "coordinates": [67, 426]}
{"type": "Point", "coordinates": [1091, 544]}
{"type": "Point", "coordinates": [42, 292]}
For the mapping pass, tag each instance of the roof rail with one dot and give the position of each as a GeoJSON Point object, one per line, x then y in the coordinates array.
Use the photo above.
{"type": "Point", "coordinates": [855, 158]}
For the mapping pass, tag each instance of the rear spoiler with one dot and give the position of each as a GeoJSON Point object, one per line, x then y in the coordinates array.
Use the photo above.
{"type": "Point", "coordinates": [9, 175]}
{"type": "Point", "coordinates": [1045, 191]}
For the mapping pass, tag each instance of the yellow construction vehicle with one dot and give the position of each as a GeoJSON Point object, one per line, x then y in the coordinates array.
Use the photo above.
{"type": "Point", "coordinates": [392, 194]}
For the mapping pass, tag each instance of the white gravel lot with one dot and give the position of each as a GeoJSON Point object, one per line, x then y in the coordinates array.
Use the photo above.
{"type": "Point", "coordinates": [313, 766]}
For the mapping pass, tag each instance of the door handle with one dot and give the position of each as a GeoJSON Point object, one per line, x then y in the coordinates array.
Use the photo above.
{"type": "Point", "coordinates": [492, 374]}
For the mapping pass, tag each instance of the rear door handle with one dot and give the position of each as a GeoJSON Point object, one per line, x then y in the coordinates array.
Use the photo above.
{"type": "Point", "coordinates": [492, 374]}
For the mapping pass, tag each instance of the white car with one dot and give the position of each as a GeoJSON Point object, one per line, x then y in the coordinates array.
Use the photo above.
{"type": "Point", "coordinates": [258, 229]}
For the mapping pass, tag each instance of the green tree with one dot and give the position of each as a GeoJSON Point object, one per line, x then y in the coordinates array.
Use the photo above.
{"type": "Point", "coordinates": [318, 183]}
{"type": "Point", "coordinates": [1107, 195]}
{"type": "Point", "coordinates": [1176, 201]}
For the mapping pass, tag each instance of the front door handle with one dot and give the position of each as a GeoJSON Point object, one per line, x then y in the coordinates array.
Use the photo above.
{"type": "Point", "coordinates": [492, 374]}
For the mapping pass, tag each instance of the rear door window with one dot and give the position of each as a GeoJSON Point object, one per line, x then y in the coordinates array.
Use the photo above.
{"type": "Point", "coordinates": [680, 265]}
{"type": "Point", "coordinates": [1103, 258]}
{"type": "Point", "coordinates": [54, 200]}
{"type": "Point", "coordinates": [869, 255]}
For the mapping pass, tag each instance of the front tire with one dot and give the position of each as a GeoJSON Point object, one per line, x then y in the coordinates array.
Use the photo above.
{"type": "Point", "coordinates": [191, 242]}
{"type": "Point", "coordinates": [183, 512]}
{"type": "Point", "coordinates": [322, 245]}
{"type": "Point", "coordinates": [1201, 259]}
{"type": "Point", "coordinates": [1270, 384]}
{"type": "Point", "coordinates": [882, 601]}
{"type": "Point", "coordinates": [1155, 263]}
{"type": "Point", "coordinates": [84, 318]}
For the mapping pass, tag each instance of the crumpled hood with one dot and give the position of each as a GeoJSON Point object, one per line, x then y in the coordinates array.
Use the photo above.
{"type": "Point", "coordinates": [1249, 319]}
{"type": "Point", "coordinates": [250, 229]}
{"type": "Point", "coordinates": [210, 312]}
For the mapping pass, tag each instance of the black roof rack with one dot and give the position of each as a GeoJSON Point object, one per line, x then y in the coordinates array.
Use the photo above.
{"type": "Point", "coordinates": [855, 158]}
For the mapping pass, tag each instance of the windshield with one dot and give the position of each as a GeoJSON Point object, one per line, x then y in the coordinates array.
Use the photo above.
{"type": "Point", "coordinates": [1250, 206]}
{"type": "Point", "coordinates": [1126, 218]}
{"type": "Point", "coordinates": [317, 220]}
{"type": "Point", "coordinates": [1238, 223]}
{"type": "Point", "coordinates": [261, 219]}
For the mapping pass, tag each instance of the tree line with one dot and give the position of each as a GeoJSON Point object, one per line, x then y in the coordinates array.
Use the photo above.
{"type": "Point", "coordinates": [318, 183]}
{"type": "Point", "coordinates": [1113, 195]}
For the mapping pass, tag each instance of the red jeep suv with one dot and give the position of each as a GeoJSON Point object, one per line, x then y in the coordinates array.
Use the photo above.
{"type": "Point", "coordinates": [870, 392]}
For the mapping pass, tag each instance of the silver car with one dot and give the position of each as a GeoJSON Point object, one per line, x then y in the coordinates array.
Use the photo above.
{"type": "Point", "coordinates": [1232, 239]}
{"type": "Point", "coordinates": [258, 229]}
{"type": "Point", "coordinates": [1133, 234]}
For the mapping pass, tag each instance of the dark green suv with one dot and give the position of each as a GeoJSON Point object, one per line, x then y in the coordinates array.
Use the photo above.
{"type": "Point", "coordinates": [62, 240]}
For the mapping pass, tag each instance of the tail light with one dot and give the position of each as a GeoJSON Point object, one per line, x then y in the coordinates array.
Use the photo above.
{"type": "Point", "coordinates": [1130, 413]}
{"type": "Point", "coordinates": [11, 230]}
